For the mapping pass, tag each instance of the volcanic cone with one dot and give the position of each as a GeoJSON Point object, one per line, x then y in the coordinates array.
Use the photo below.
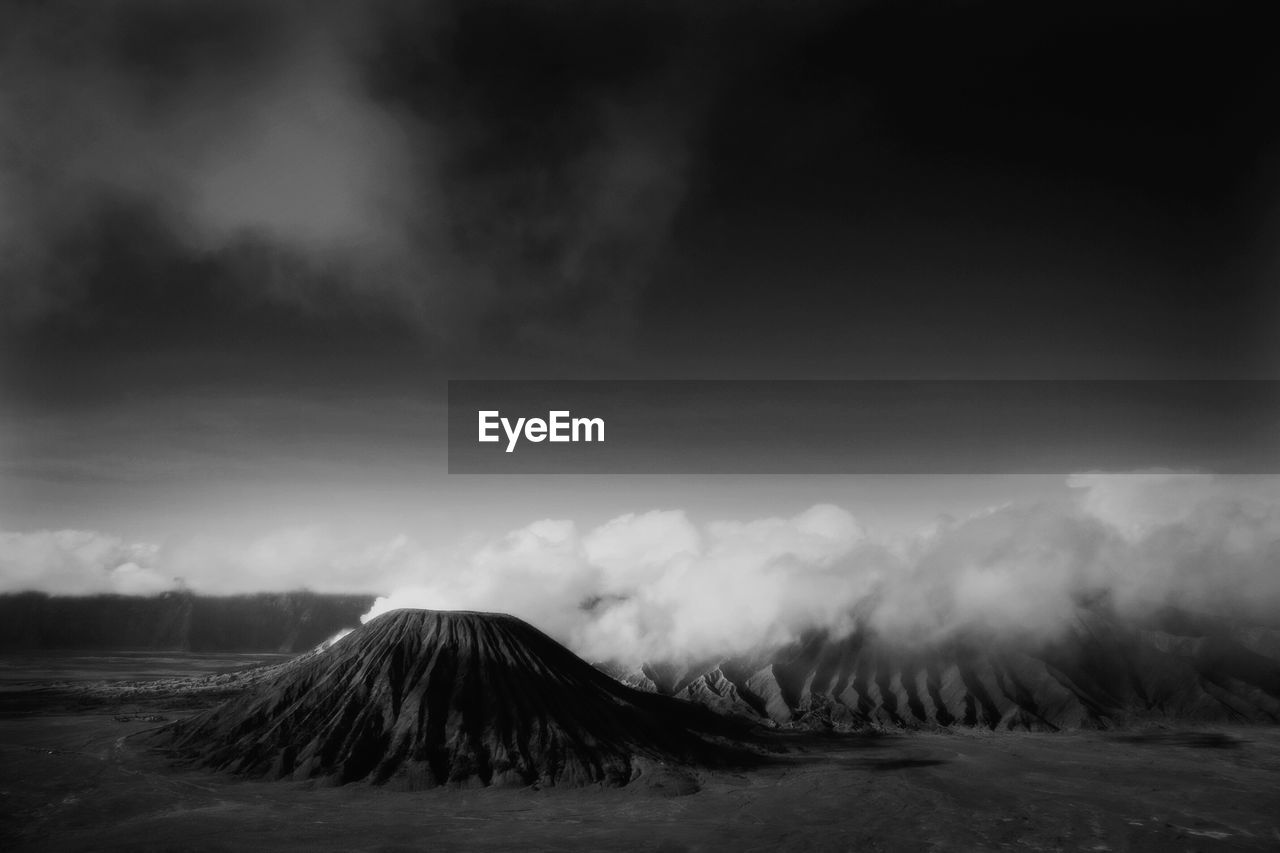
{"type": "Point", "coordinates": [420, 698]}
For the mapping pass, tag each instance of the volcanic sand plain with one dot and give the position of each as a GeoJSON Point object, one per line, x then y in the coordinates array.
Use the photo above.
{"type": "Point", "coordinates": [78, 772]}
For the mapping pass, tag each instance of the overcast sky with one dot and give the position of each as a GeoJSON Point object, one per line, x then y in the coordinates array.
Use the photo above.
{"type": "Point", "coordinates": [243, 245]}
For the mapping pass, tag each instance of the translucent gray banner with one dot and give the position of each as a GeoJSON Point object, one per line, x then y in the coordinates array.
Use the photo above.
{"type": "Point", "coordinates": [861, 427]}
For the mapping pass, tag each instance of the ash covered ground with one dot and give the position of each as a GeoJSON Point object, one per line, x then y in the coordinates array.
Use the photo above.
{"type": "Point", "coordinates": [99, 765]}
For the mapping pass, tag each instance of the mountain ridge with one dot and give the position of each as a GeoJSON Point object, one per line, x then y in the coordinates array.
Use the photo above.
{"type": "Point", "coordinates": [1103, 672]}
{"type": "Point", "coordinates": [177, 621]}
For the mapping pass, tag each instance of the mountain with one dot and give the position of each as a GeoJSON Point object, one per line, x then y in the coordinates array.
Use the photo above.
{"type": "Point", "coordinates": [1103, 672]}
{"type": "Point", "coordinates": [419, 698]}
{"type": "Point", "coordinates": [269, 622]}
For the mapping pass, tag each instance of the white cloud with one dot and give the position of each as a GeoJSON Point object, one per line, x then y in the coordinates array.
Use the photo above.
{"type": "Point", "coordinates": [78, 562]}
{"type": "Point", "coordinates": [652, 585]}
{"type": "Point", "coordinates": [1136, 503]}
{"type": "Point", "coordinates": [657, 585]}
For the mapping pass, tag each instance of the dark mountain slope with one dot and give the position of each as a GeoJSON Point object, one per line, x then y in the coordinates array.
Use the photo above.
{"type": "Point", "coordinates": [423, 698]}
{"type": "Point", "coordinates": [1103, 672]}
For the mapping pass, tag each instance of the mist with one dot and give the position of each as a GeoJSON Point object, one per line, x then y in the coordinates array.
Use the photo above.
{"type": "Point", "coordinates": [658, 585]}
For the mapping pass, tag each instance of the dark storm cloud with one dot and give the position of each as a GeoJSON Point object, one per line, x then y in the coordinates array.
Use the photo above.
{"type": "Point", "coordinates": [121, 121]}
{"type": "Point", "coordinates": [832, 189]}
{"type": "Point", "coordinates": [437, 168]}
